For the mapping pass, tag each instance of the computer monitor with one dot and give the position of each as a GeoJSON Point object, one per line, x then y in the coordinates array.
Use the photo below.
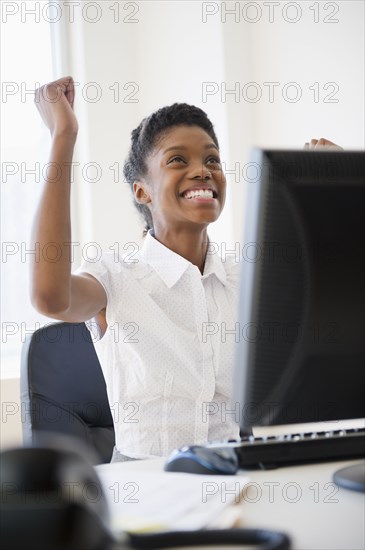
{"type": "Point", "coordinates": [300, 355]}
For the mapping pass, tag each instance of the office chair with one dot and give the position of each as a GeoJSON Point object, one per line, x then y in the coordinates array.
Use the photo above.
{"type": "Point", "coordinates": [63, 389]}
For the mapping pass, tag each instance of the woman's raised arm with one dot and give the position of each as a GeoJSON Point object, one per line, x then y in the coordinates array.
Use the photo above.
{"type": "Point", "coordinates": [54, 291]}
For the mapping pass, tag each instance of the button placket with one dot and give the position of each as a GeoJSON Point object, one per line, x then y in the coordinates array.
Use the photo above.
{"type": "Point", "coordinates": [207, 367]}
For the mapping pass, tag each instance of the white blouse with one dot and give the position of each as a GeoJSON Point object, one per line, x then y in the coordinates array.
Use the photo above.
{"type": "Point", "coordinates": [167, 355]}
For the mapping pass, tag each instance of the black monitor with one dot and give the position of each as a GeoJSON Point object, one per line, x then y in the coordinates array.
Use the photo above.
{"type": "Point", "coordinates": [300, 355]}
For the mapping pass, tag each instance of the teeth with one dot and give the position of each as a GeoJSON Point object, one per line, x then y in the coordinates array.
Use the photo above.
{"type": "Point", "coordinates": [203, 193]}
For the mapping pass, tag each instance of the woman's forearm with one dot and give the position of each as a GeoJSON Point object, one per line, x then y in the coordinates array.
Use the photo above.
{"type": "Point", "coordinates": [51, 234]}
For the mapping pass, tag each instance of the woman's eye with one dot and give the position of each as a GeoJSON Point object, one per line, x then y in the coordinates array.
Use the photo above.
{"type": "Point", "coordinates": [176, 159]}
{"type": "Point", "coordinates": [214, 160]}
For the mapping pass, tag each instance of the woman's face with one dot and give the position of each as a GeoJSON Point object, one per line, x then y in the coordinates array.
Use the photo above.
{"type": "Point", "coordinates": [185, 183]}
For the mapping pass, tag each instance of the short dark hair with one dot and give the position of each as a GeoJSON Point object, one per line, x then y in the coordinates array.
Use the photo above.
{"type": "Point", "coordinates": [146, 135]}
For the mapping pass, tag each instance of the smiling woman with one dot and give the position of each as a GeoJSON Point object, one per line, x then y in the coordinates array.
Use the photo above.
{"type": "Point", "coordinates": [175, 172]}
{"type": "Point", "coordinates": [173, 369]}
{"type": "Point", "coordinates": [170, 369]}
{"type": "Point", "coordinates": [168, 135]}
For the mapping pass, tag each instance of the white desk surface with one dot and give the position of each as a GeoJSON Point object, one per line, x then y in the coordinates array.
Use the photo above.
{"type": "Point", "coordinates": [300, 500]}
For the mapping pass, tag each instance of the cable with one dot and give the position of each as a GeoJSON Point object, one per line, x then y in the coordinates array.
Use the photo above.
{"type": "Point", "coordinates": [264, 539]}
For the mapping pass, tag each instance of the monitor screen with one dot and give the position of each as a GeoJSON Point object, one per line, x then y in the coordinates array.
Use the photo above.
{"type": "Point", "coordinates": [300, 355]}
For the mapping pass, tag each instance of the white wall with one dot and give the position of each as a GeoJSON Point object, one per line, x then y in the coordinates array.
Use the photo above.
{"type": "Point", "coordinates": [303, 53]}
{"type": "Point", "coordinates": [176, 47]}
{"type": "Point", "coordinates": [11, 413]}
{"type": "Point", "coordinates": [167, 55]}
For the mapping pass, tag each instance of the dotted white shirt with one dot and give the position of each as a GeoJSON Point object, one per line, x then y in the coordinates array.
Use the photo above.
{"type": "Point", "coordinates": [167, 355]}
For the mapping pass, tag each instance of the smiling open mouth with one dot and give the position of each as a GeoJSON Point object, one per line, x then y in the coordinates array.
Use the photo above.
{"type": "Point", "coordinates": [199, 194]}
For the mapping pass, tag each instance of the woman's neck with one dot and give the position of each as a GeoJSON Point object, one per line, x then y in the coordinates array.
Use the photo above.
{"type": "Point", "coordinates": [191, 244]}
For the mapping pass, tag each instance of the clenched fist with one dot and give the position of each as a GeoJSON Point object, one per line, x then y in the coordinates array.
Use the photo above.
{"type": "Point", "coordinates": [55, 102]}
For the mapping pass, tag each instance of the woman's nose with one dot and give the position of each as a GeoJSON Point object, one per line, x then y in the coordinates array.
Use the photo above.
{"type": "Point", "coordinates": [201, 172]}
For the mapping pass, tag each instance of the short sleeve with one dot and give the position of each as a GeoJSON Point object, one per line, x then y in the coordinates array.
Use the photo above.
{"type": "Point", "coordinates": [100, 270]}
{"type": "Point", "coordinates": [108, 271]}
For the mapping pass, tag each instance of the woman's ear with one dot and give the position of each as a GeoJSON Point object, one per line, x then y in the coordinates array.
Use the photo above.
{"type": "Point", "coordinates": [141, 193]}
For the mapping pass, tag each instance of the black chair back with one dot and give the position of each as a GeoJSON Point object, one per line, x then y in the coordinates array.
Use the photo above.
{"type": "Point", "coordinates": [63, 388]}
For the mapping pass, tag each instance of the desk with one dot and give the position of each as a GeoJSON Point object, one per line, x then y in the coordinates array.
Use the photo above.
{"type": "Point", "coordinates": [301, 500]}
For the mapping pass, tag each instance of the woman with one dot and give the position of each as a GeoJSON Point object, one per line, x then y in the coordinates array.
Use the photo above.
{"type": "Point", "coordinates": [163, 320]}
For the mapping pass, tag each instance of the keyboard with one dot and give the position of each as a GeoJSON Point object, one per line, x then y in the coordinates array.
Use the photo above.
{"type": "Point", "coordinates": [272, 451]}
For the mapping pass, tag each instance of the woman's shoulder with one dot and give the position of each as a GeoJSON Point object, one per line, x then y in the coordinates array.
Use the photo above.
{"type": "Point", "coordinates": [124, 261]}
{"type": "Point", "coordinates": [118, 262]}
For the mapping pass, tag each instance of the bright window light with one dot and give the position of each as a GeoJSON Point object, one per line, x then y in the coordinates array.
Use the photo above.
{"type": "Point", "coordinates": [26, 62]}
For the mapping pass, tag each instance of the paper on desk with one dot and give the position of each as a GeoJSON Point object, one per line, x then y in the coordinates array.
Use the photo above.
{"type": "Point", "coordinates": [161, 501]}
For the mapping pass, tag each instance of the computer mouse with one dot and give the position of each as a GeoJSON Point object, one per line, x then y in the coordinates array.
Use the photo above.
{"type": "Point", "coordinates": [202, 460]}
{"type": "Point", "coordinates": [51, 499]}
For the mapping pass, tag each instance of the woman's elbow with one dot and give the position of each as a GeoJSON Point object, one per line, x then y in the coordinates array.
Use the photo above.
{"type": "Point", "coordinates": [49, 305]}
